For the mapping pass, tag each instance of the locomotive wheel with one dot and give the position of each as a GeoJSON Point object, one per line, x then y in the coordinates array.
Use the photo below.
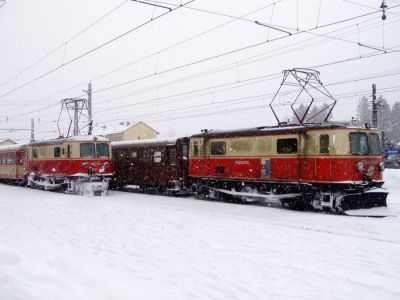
{"type": "Point", "coordinates": [297, 203]}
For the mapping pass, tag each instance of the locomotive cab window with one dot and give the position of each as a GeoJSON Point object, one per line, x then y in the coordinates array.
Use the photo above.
{"type": "Point", "coordinates": [375, 144]}
{"type": "Point", "coordinates": [57, 152]}
{"type": "Point", "coordinates": [218, 148]}
{"type": "Point", "coordinates": [324, 144]}
{"type": "Point", "coordinates": [102, 150]}
{"type": "Point", "coordinates": [87, 150]}
{"type": "Point", "coordinates": [359, 143]}
{"type": "Point", "coordinates": [287, 146]}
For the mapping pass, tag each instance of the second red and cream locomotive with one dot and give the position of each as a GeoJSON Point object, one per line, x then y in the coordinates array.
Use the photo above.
{"type": "Point", "coordinates": [77, 165]}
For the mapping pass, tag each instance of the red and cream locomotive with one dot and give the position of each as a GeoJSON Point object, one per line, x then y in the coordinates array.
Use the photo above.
{"type": "Point", "coordinates": [329, 167]}
{"type": "Point", "coordinates": [77, 165]}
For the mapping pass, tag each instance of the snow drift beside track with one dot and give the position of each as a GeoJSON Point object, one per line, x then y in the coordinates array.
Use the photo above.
{"type": "Point", "coordinates": [134, 246]}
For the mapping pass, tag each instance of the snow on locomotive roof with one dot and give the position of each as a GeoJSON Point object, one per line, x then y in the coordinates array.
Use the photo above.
{"type": "Point", "coordinates": [79, 138]}
{"type": "Point", "coordinates": [285, 129]}
{"type": "Point", "coordinates": [157, 141]}
{"type": "Point", "coordinates": [11, 147]}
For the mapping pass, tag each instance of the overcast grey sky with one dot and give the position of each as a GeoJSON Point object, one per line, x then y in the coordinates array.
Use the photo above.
{"type": "Point", "coordinates": [203, 65]}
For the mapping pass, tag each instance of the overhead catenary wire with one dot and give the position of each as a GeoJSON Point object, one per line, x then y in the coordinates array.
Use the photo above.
{"type": "Point", "coordinates": [160, 51]}
{"type": "Point", "coordinates": [64, 44]}
{"type": "Point", "coordinates": [266, 77]}
{"type": "Point", "coordinates": [91, 50]}
{"type": "Point", "coordinates": [57, 104]}
{"type": "Point", "coordinates": [234, 18]}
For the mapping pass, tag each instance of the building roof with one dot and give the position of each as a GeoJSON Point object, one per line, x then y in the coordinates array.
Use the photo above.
{"type": "Point", "coordinates": [117, 129]}
{"type": "Point", "coordinates": [7, 140]}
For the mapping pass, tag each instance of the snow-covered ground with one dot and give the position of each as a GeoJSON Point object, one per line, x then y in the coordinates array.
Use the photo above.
{"type": "Point", "coordinates": [133, 246]}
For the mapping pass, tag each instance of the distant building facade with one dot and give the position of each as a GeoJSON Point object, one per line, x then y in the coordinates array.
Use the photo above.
{"type": "Point", "coordinates": [7, 142]}
{"type": "Point", "coordinates": [138, 131]}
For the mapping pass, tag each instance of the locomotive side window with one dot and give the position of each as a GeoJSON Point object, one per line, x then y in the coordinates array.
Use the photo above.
{"type": "Point", "coordinates": [57, 151]}
{"type": "Point", "coordinates": [287, 146]}
{"type": "Point", "coordinates": [87, 150]}
{"type": "Point", "coordinates": [157, 157]}
{"type": "Point", "coordinates": [218, 148]}
{"type": "Point", "coordinates": [359, 143]}
{"type": "Point", "coordinates": [172, 157]}
{"type": "Point", "coordinates": [34, 153]}
{"type": "Point", "coordinates": [241, 146]}
{"type": "Point", "coordinates": [102, 150]}
{"type": "Point", "coordinates": [375, 144]}
{"type": "Point", "coordinates": [195, 148]}
{"type": "Point", "coordinates": [324, 144]}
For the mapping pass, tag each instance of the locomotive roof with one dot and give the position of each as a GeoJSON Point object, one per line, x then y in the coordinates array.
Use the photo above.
{"type": "Point", "coordinates": [80, 138]}
{"type": "Point", "coordinates": [146, 142]}
{"type": "Point", "coordinates": [269, 130]}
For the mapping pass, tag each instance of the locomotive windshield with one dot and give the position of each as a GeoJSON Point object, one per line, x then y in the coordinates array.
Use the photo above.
{"type": "Point", "coordinates": [360, 145]}
{"type": "Point", "coordinates": [375, 144]}
{"type": "Point", "coordinates": [91, 149]}
{"type": "Point", "coordinates": [87, 150]}
{"type": "Point", "coordinates": [102, 150]}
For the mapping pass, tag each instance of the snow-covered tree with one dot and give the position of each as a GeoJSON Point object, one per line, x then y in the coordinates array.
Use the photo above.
{"type": "Point", "coordinates": [393, 131]}
{"type": "Point", "coordinates": [384, 113]}
{"type": "Point", "coordinates": [364, 111]}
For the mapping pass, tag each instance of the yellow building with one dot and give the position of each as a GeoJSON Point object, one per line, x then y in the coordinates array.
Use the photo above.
{"type": "Point", "coordinates": [138, 131]}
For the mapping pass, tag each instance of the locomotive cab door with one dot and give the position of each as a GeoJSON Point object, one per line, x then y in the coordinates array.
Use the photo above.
{"type": "Point", "coordinates": [199, 165]}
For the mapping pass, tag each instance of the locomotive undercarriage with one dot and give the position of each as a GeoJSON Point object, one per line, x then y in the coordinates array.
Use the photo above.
{"type": "Point", "coordinates": [77, 185]}
{"type": "Point", "coordinates": [337, 198]}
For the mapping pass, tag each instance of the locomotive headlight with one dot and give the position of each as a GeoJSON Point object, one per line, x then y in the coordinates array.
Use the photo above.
{"type": "Point", "coordinates": [360, 166]}
{"type": "Point", "coordinates": [382, 166]}
{"type": "Point", "coordinates": [85, 165]}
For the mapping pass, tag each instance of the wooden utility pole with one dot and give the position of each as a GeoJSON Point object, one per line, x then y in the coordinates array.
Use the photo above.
{"type": "Point", "coordinates": [90, 123]}
{"type": "Point", "coordinates": [374, 108]}
{"type": "Point", "coordinates": [32, 130]}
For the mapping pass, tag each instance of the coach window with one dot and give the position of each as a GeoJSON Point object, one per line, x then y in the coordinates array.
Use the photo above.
{"type": "Point", "coordinates": [145, 155]}
{"type": "Point", "coordinates": [57, 152]}
{"type": "Point", "coordinates": [157, 157]}
{"type": "Point", "coordinates": [87, 150]}
{"type": "Point", "coordinates": [102, 150]}
{"type": "Point", "coordinates": [68, 151]}
{"type": "Point", "coordinates": [324, 144]}
{"type": "Point", "coordinates": [172, 157]}
{"type": "Point", "coordinates": [185, 152]}
{"type": "Point", "coordinates": [287, 146]}
{"type": "Point", "coordinates": [218, 148]}
{"type": "Point", "coordinates": [34, 153]}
